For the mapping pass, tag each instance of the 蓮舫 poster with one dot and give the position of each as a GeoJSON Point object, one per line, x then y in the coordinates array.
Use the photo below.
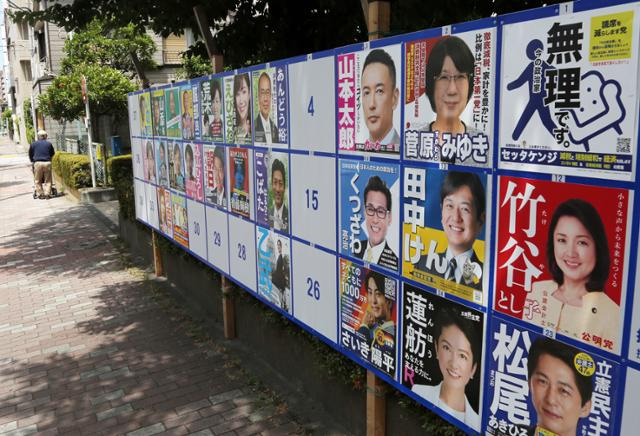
{"type": "Point", "coordinates": [157, 107]}
{"type": "Point", "coordinates": [449, 86]}
{"type": "Point", "coordinates": [162, 164]}
{"type": "Point", "coordinates": [368, 93]}
{"type": "Point", "coordinates": [172, 112]}
{"type": "Point", "coordinates": [274, 268]}
{"type": "Point", "coordinates": [193, 170]}
{"type": "Point", "coordinates": [272, 189]}
{"type": "Point", "coordinates": [149, 160]}
{"type": "Point", "coordinates": [270, 100]}
{"type": "Point", "coordinates": [145, 114]}
{"type": "Point", "coordinates": [369, 211]}
{"type": "Point", "coordinates": [180, 220]}
{"type": "Point", "coordinates": [368, 315]}
{"type": "Point", "coordinates": [541, 386]}
{"type": "Point", "coordinates": [165, 212]}
{"type": "Point", "coordinates": [240, 183]}
{"type": "Point", "coordinates": [215, 176]}
{"type": "Point", "coordinates": [444, 230]}
{"type": "Point", "coordinates": [187, 122]}
{"type": "Point", "coordinates": [442, 353]}
{"type": "Point", "coordinates": [212, 109]}
{"type": "Point", "coordinates": [176, 166]}
{"type": "Point", "coordinates": [562, 255]}
{"type": "Point", "coordinates": [569, 94]}
{"type": "Point", "coordinates": [238, 125]}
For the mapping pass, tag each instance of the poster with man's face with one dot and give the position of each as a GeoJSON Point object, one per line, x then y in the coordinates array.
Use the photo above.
{"type": "Point", "coordinates": [369, 211]}
{"type": "Point", "coordinates": [157, 109]}
{"type": "Point", "coordinates": [444, 231]}
{"type": "Point", "coordinates": [274, 268]}
{"type": "Point", "coordinates": [215, 176]}
{"type": "Point", "coordinates": [368, 89]}
{"type": "Point", "coordinates": [270, 112]}
{"type": "Point", "coordinates": [272, 189]}
{"type": "Point", "coordinates": [539, 385]}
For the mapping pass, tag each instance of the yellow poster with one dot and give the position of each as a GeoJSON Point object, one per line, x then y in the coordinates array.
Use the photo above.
{"type": "Point", "coordinates": [611, 37]}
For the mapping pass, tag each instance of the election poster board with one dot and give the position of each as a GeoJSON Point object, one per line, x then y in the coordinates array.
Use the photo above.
{"type": "Point", "coordinates": [562, 258]}
{"type": "Point", "coordinates": [368, 229]}
{"type": "Point", "coordinates": [523, 369]}
{"type": "Point", "coordinates": [444, 231]}
{"type": "Point", "coordinates": [519, 225]}
{"type": "Point", "coordinates": [368, 92]}
{"type": "Point", "coordinates": [270, 107]}
{"type": "Point", "coordinates": [569, 94]}
{"type": "Point", "coordinates": [368, 315]}
{"type": "Point", "coordinates": [312, 102]}
{"type": "Point", "coordinates": [449, 86]}
{"type": "Point", "coordinates": [442, 351]}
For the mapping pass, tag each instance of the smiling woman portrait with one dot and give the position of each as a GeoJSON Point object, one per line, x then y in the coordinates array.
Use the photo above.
{"type": "Point", "coordinates": [579, 260]}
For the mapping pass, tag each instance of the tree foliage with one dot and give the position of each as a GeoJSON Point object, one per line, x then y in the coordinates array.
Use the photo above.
{"type": "Point", "coordinates": [252, 31]}
{"type": "Point", "coordinates": [195, 63]}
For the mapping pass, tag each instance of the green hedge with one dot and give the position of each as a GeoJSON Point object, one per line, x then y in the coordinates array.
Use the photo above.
{"type": "Point", "coordinates": [73, 169]}
{"type": "Point", "coordinates": [120, 170]}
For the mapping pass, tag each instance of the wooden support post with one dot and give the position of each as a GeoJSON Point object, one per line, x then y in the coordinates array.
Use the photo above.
{"type": "Point", "coordinates": [376, 406]}
{"type": "Point", "coordinates": [212, 50]}
{"type": "Point", "coordinates": [379, 19]}
{"type": "Point", "coordinates": [157, 256]}
{"type": "Point", "coordinates": [228, 309]}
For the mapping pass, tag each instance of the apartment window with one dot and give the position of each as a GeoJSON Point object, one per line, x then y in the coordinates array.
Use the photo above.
{"type": "Point", "coordinates": [23, 29]}
{"type": "Point", "coordinates": [26, 70]}
{"type": "Point", "coordinates": [42, 46]}
{"type": "Point", "coordinates": [172, 48]}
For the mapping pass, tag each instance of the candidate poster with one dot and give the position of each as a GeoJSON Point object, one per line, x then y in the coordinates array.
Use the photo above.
{"type": "Point", "coordinates": [239, 174]}
{"type": "Point", "coordinates": [270, 111]}
{"type": "Point", "coordinates": [368, 315]}
{"type": "Point", "coordinates": [165, 212]}
{"type": "Point", "coordinates": [176, 166]}
{"type": "Point", "coordinates": [562, 254]}
{"type": "Point", "coordinates": [187, 122]}
{"type": "Point", "coordinates": [272, 189]}
{"type": "Point", "coordinates": [569, 94]}
{"type": "Point", "coordinates": [444, 231]}
{"type": "Point", "coordinates": [211, 110]}
{"type": "Point", "coordinates": [195, 100]}
{"type": "Point", "coordinates": [180, 220]}
{"type": "Point", "coordinates": [369, 204]}
{"type": "Point", "coordinates": [368, 92]}
{"type": "Point", "coordinates": [157, 108]}
{"type": "Point", "coordinates": [541, 386]}
{"type": "Point", "coordinates": [215, 175]}
{"type": "Point", "coordinates": [449, 88]}
{"type": "Point", "coordinates": [162, 163]}
{"type": "Point", "coordinates": [172, 112]}
{"type": "Point", "coordinates": [144, 105]}
{"type": "Point", "coordinates": [238, 125]}
{"type": "Point", "coordinates": [274, 268]}
{"type": "Point", "coordinates": [193, 171]}
{"type": "Point", "coordinates": [442, 353]}
{"type": "Point", "coordinates": [149, 160]}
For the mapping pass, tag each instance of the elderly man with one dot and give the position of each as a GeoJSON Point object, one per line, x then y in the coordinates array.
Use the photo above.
{"type": "Point", "coordinates": [40, 154]}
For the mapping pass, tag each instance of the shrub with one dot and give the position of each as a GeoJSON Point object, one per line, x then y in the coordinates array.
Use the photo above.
{"type": "Point", "coordinates": [73, 169]}
{"type": "Point", "coordinates": [120, 170]}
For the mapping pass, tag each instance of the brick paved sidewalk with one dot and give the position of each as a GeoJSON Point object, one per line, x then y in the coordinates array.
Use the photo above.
{"type": "Point", "coordinates": [84, 346]}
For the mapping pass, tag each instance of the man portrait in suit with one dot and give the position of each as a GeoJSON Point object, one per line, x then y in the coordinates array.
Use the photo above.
{"type": "Point", "coordinates": [266, 130]}
{"type": "Point", "coordinates": [278, 212]}
{"type": "Point", "coordinates": [462, 203]}
{"type": "Point", "coordinates": [377, 208]}
{"type": "Point", "coordinates": [380, 97]}
{"type": "Point", "coordinates": [219, 195]}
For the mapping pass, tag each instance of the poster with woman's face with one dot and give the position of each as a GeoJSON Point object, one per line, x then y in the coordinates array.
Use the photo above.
{"type": "Point", "coordinates": [237, 107]}
{"type": "Point", "coordinates": [449, 87]}
{"type": "Point", "coordinates": [149, 161]}
{"type": "Point", "coordinates": [444, 230]}
{"type": "Point", "coordinates": [562, 251]}
{"type": "Point", "coordinates": [368, 315]}
{"type": "Point", "coordinates": [172, 112]}
{"type": "Point", "coordinates": [442, 353]}
{"type": "Point", "coordinates": [212, 110]}
{"type": "Point", "coordinates": [193, 170]}
{"type": "Point", "coordinates": [165, 212]}
{"type": "Point", "coordinates": [162, 165]}
{"type": "Point", "coordinates": [368, 89]}
{"type": "Point", "coordinates": [176, 166]}
{"type": "Point", "coordinates": [542, 386]}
